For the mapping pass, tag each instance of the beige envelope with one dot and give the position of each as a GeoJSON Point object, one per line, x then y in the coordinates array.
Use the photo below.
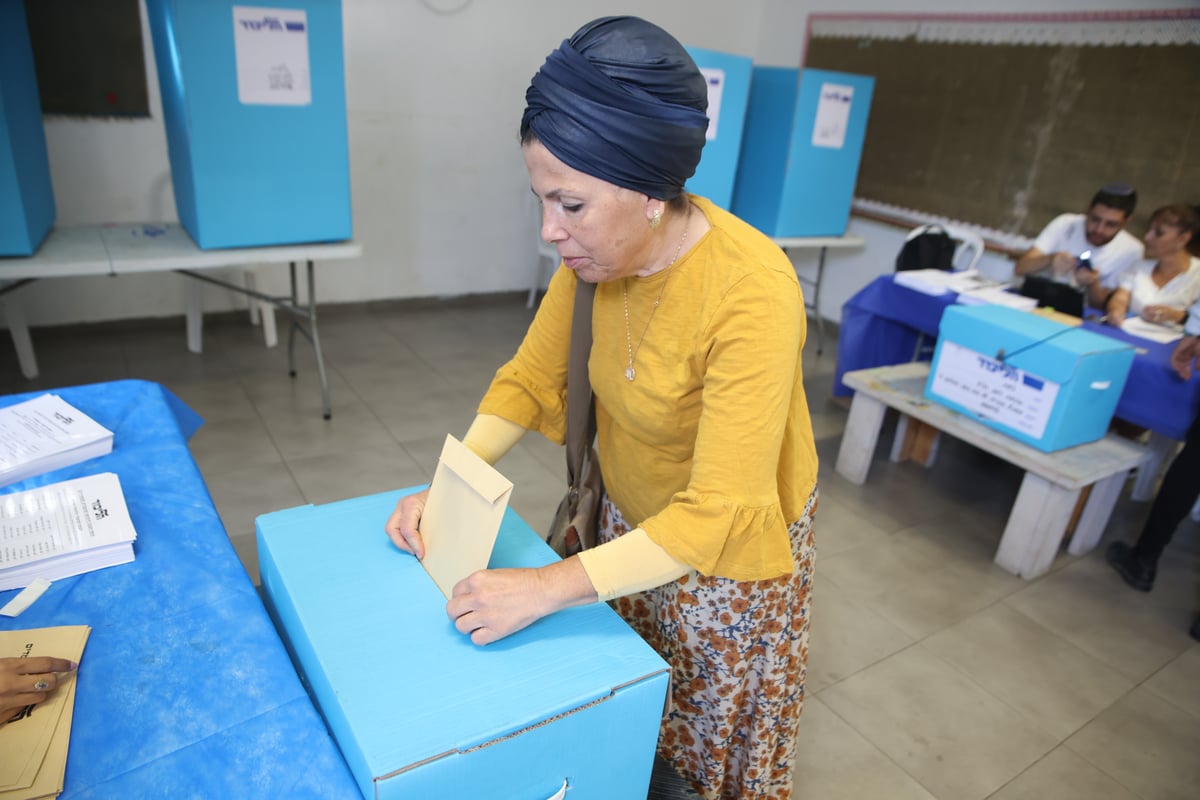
{"type": "Point", "coordinates": [462, 515]}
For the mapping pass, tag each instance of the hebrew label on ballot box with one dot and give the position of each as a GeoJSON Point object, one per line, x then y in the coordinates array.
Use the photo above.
{"type": "Point", "coordinates": [994, 390]}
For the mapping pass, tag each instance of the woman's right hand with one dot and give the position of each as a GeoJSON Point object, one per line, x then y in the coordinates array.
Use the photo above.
{"type": "Point", "coordinates": [28, 681]}
{"type": "Point", "coordinates": [403, 525]}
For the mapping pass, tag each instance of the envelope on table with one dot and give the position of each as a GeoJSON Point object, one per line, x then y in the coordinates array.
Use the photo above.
{"type": "Point", "coordinates": [462, 516]}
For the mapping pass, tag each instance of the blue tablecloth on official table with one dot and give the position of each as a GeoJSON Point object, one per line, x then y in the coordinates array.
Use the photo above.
{"type": "Point", "coordinates": [882, 324]}
{"type": "Point", "coordinates": [184, 689]}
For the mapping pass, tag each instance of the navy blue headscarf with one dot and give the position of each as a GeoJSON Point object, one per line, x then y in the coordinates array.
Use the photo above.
{"type": "Point", "coordinates": [622, 101]}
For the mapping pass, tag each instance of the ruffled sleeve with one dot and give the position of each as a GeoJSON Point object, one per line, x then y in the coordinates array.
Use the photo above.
{"type": "Point", "coordinates": [725, 538]}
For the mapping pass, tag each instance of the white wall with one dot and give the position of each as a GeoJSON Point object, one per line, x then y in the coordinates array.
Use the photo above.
{"type": "Point", "coordinates": [439, 191]}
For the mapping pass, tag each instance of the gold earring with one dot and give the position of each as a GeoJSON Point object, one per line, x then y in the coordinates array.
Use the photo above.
{"type": "Point", "coordinates": [656, 220]}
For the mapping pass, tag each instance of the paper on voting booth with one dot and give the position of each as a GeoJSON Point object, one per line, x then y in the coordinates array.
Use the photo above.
{"type": "Point", "coordinates": [1136, 326]}
{"type": "Point", "coordinates": [462, 515]}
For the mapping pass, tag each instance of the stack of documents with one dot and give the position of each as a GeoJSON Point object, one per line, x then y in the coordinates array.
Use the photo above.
{"type": "Point", "coordinates": [938, 281]}
{"type": "Point", "coordinates": [1136, 326]}
{"type": "Point", "coordinates": [33, 745]}
{"type": "Point", "coordinates": [44, 434]}
{"type": "Point", "coordinates": [64, 529]}
{"type": "Point", "coordinates": [997, 296]}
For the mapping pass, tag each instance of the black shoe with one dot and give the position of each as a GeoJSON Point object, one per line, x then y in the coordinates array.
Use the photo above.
{"type": "Point", "coordinates": [1194, 631]}
{"type": "Point", "coordinates": [1135, 572]}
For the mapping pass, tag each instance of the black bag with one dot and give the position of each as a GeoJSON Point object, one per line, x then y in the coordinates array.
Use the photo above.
{"type": "Point", "coordinates": [932, 248]}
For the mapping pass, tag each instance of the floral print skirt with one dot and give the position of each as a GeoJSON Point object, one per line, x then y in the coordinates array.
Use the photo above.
{"type": "Point", "coordinates": [737, 651]}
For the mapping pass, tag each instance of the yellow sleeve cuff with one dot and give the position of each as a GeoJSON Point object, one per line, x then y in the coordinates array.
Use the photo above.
{"type": "Point", "coordinates": [490, 437]}
{"type": "Point", "coordinates": [628, 564]}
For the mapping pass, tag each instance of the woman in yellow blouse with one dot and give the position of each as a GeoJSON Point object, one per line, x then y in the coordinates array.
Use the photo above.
{"type": "Point", "coordinates": [704, 437]}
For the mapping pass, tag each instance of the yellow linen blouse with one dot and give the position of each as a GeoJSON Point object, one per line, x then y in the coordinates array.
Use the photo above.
{"type": "Point", "coordinates": [710, 448]}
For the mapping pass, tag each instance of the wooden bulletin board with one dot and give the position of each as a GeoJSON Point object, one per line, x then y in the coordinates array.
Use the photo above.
{"type": "Point", "coordinates": [1005, 121]}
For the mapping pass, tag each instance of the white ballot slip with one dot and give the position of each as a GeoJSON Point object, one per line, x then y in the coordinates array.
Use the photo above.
{"type": "Point", "coordinates": [64, 529]}
{"type": "Point", "coordinates": [1136, 326]}
{"type": "Point", "coordinates": [467, 499]}
{"type": "Point", "coordinates": [47, 433]}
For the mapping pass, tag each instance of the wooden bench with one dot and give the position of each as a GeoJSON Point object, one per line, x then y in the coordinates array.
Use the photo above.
{"type": "Point", "coordinates": [1053, 482]}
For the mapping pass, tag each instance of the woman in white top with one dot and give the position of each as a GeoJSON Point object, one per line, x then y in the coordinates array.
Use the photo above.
{"type": "Point", "coordinates": [1161, 288]}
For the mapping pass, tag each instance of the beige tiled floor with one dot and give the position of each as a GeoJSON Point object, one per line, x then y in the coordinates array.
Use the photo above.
{"type": "Point", "coordinates": [934, 674]}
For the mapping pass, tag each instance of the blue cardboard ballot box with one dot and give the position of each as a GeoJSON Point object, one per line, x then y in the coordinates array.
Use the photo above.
{"type": "Point", "coordinates": [26, 196]}
{"type": "Point", "coordinates": [254, 102]}
{"type": "Point", "coordinates": [1046, 384]}
{"type": "Point", "coordinates": [421, 712]}
{"type": "Point", "coordinates": [728, 78]}
{"type": "Point", "coordinates": [801, 149]}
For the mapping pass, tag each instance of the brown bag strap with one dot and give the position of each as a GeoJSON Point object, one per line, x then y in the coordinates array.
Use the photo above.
{"type": "Point", "coordinates": [581, 411]}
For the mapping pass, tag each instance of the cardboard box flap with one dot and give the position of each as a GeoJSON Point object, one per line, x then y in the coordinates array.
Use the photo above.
{"type": "Point", "coordinates": [411, 703]}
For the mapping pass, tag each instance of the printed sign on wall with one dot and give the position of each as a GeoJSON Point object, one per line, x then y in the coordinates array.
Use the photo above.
{"type": "Point", "coordinates": [271, 47]}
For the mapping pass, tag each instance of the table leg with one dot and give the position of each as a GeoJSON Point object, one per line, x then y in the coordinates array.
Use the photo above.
{"type": "Point", "coordinates": [14, 315]}
{"type": "Point", "coordinates": [292, 326]}
{"type": "Point", "coordinates": [316, 341]}
{"type": "Point", "coordinates": [860, 437]}
{"type": "Point", "coordinates": [1035, 527]}
{"type": "Point", "coordinates": [193, 300]}
{"type": "Point", "coordinates": [1096, 513]}
{"type": "Point", "coordinates": [1159, 450]}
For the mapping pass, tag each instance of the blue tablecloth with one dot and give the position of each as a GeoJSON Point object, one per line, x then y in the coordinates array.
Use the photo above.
{"type": "Point", "coordinates": [184, 689]}
{"type": "Point", "coordinates": [883, 322]}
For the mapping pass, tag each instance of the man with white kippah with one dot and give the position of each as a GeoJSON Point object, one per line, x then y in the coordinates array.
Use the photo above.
{"type": "Point", "coordinates": [1089, 250]}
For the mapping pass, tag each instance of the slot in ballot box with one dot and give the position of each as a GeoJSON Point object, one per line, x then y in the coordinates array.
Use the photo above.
{"type": "Point", "coordinates": [728, 79]}
{"type": "Point", "coordinates": [801, 149]}
{"type": "Point", "coordinates": [419, 711]}
{"type": "Point", "coordinates": [254, 103]}
{"type": "Point", "coordinates": [1044, 383]}
{"type": "Point", "coordinates": [26, 196]}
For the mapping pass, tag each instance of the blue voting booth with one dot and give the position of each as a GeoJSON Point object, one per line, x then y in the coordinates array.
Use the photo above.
{"type": "Point", "coordinates": [419, 711]}
{"type": "Point", "coordinates": [728, 78]}
{"type": "Point", "coordinates": [801, 149]}
{"type": "Point", "coordinates": [26, 196]}
{"type": "Point", "coordinates": [1044, 383]}
{"type": "Point", "coordinates": [254, 101]}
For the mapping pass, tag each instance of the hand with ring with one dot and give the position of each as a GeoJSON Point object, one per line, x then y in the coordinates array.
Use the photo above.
{"type": "Point", "coordinates": [28, 681]}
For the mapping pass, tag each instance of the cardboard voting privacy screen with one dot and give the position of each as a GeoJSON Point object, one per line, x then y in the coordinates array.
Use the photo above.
{"type": "Point", "coordinates": [462, 515]}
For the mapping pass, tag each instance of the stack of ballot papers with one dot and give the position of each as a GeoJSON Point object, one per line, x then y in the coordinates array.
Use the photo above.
{"type": "Point", "coordinates": [33, 743]}
{"type": "Point", "coordinates": [939, 281]}
{"type": "Point", "coordinates": [44, 434]}
{"type": "Point", "coordinates": [1136, 326]}
{"type": "Point", "coordinates": [64, 529]}
{"type": "Point", "coordinates": [997, 296]}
